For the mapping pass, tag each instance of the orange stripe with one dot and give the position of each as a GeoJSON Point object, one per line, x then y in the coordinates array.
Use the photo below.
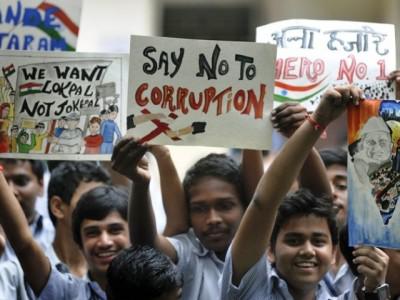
{"type": "Point", "coordinates": [60, 14]}
{"type": "Point", "coordinates": [295, 88]}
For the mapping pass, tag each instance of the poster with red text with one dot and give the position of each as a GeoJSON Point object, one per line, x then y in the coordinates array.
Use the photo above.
{"type": "Point", "coordinates": [198, 92]}
{"type": "Point", "coordinates": [313, 55]}
{"type": "Point", "coordinates": [39, 25]}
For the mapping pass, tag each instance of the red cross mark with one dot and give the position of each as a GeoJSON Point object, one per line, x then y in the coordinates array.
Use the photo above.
{"type": "Point", "coordinates": [162, 127]}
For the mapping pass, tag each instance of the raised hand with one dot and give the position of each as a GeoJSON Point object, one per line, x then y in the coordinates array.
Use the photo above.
{"type": "Point", "coordinates": [334, 102]}
{"type": "Point", "coordinates": [287, 117]}
{"type": "Point", "coordinates": [395, 77]}
{"type": "Point", "coordinates": [128, 159]}
{"type": "Point", "coordinates": [372, 263]}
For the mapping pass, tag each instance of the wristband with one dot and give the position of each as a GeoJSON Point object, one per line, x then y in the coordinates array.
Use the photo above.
{"type": "Point", "coordinates": [381, 292]}
{"type": "Point", "coordinates": [316, 126]}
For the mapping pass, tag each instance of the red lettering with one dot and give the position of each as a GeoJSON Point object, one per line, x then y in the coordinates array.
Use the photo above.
{"type": "Point", "coordinates": [382, 72]}
{"type": "Point", "coordinates": [219, 97]}
{"type": "Point", "coordinates": [156, 96]}
{"type": "Point", "coordinates": [345, 70]}
{"type": "Point", "coordinates": [257, 104]}
{"type": "Point", "coordinates": [168, 91]}
{"type": "Point", "coordinates": [209, 94]}
{"type": "Point", "coordinates": [278, 68]}
{"type": "Point", "coordinates": [138, 95]}
{"type": "Point", "coordinates": [239, 100]}
{"type": "Point", "coordinates": [289, 67]}
{"type": "Point", "coordinates": [181, 97]}
{"type": "Point", "coordinates": [192, 101]}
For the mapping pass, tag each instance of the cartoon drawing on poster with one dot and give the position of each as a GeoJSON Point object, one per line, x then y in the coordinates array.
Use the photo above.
{"type": "Point", "coordinates": [197, 92]}
{"type": "Point", "coordinates": [57, 102]}
{"type": "Point", "coordinates": [39, 25]}
{"type": "Point", "coordinates": [374, 173]}
{"type": "Point", "coordinates": [313, 55]}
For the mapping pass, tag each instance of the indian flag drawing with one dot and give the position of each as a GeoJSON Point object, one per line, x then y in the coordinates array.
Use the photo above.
{"type": "Point", "coordinates": [30, 88]}
{"type": "Point", "coordinates": [286, 92]}
{"type": "Point", "coordinates": [71, 29]}
{"type": "Point", "coordinates": [54, 25]}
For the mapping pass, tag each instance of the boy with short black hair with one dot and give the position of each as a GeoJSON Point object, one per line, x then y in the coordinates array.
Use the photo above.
{"type": "Point", "coordinates": [101, 241]}
{"type": "Point", "coordinates": [216, 195]}
{"type": "Point", "coordinates": [339, 277]}
{"type": "Point", "coordinates": [68, 181]}
{"type": "Point", "coordinates": [304, 247]}
{"type": "Point", "coordinates": [26, 178]}
{"type": "Point", "coordinates": [143, 273]}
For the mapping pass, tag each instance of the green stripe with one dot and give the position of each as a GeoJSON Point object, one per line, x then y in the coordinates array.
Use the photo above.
{"type": "Point", "coordinates": [54, 34]}
{"type": "Point", "coordinates": [280, 98]}
{"type": "Point", "coordinates": [21, 94]}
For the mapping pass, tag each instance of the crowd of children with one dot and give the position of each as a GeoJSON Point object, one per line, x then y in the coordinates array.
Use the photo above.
{"type": "Point", "coordinates": [233, 231]}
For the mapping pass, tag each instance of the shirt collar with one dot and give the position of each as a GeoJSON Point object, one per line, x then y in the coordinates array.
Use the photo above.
{"type": "Point", "coordinates": [199, 248]}
{"type": "Point", "coordinates": [278, 283]}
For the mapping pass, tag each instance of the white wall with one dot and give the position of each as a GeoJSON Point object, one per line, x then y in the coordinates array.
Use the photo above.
{"type": "Point", "coordinates": [106, 25]}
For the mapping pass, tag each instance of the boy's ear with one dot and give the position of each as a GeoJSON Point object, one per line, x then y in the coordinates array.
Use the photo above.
{"type": "Point", "coordinates": [57, 207]}
{"type": "Point", "coordinates": [270, 254]}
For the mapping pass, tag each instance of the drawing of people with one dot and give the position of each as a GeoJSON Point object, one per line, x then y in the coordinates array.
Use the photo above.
{"type": "Point", "coordinates": [40, 136]}
{"type": "Point", "coordinates": [70, 139]}
{"type": "Point", "coordinates": [4, 125]}
{"type": "Point", "coordinates": [374, 148]}
{"type": "Point", "coordinates": [60, 126]}
{"type": "Point", "coordinates": [108, 129]}
{"type": "Point", "coordinates": [94, 140]}
{"type": "Point", "coordinates": [13, 135]}
{"type": "Point", "coordinates": [23, 144]}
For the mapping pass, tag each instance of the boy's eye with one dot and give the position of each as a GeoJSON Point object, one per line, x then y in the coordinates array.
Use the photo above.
{"type": "Point", "coordinates": [226, 205]}
{"type": "Point", "coordinates": [319, 242]}
{"type": "Point", "coordinates": [198, 209]}
{"type": "Point", "coordinates": [293, 241]}
{"type": "Point", "coordinates": [116, 229]}
{"type": "Point", "coordinates": [91, 233]}
{"type": "Point", "coordinates": [341, 186]}
{"type": "Point", "coordinates": [20, 180]}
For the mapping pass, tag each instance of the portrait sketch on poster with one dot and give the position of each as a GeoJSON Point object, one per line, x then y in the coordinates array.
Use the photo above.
{"type": "Point", "coordinates": [314, 54]}
{"type": "Point", "coordinates": [38, 25]}
{"type": "Point", "coordinates": [198, 92]}
{"type": "Point", "coordinates": [61, 105]}
{"type": "Point", "coordinates": [374, 173]}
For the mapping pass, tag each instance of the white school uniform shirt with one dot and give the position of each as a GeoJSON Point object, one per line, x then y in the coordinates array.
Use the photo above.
{"type": "Point", "coordinates": [200, 267]}
{"type": "Point", "coordinates": [262, 282]}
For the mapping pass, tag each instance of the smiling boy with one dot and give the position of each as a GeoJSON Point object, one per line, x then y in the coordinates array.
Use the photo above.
{"type": "Point", "coordinates": [100, 228]}
{"type": "Point", "coordinates": [298, 233]}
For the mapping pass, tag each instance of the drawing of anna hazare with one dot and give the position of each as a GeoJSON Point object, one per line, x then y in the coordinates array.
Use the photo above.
{"type": "Point", "coordinates": [374, 148]}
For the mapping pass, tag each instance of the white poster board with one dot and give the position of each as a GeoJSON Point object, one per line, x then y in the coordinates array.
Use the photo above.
{"type": "Point", "coordinates": [313, 55]}
{"type": "Point", "coordinates": [198, 92]}
{"type": "Point", "coordinates": [61, 105]}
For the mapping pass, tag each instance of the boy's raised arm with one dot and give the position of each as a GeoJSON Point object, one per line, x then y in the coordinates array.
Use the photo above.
{"type": "Point", "coordinates": [286, 119]}
{"type": "Point", "coordinates": [251, 171]}
{"type": "Point", "coordinates": [34, 262]}
{"type": "Point", "coordinates": [173, 196]}
{"type": "Point", "coordinates": [252, 238]}
{"type": "Point", "coordinates": [128, 159]}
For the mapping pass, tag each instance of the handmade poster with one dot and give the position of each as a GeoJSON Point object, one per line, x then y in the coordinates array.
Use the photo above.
{"type": "Point", "coordinates": [314, 55]}
{"type": "Point", "coordinates": [39, 25]}
{"type": "Point", "coordinates": [198, 92]}
{"type": "Point", "coordinates": [62, 106]}
{"type": "Point", "coordinates": [374, 173]}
